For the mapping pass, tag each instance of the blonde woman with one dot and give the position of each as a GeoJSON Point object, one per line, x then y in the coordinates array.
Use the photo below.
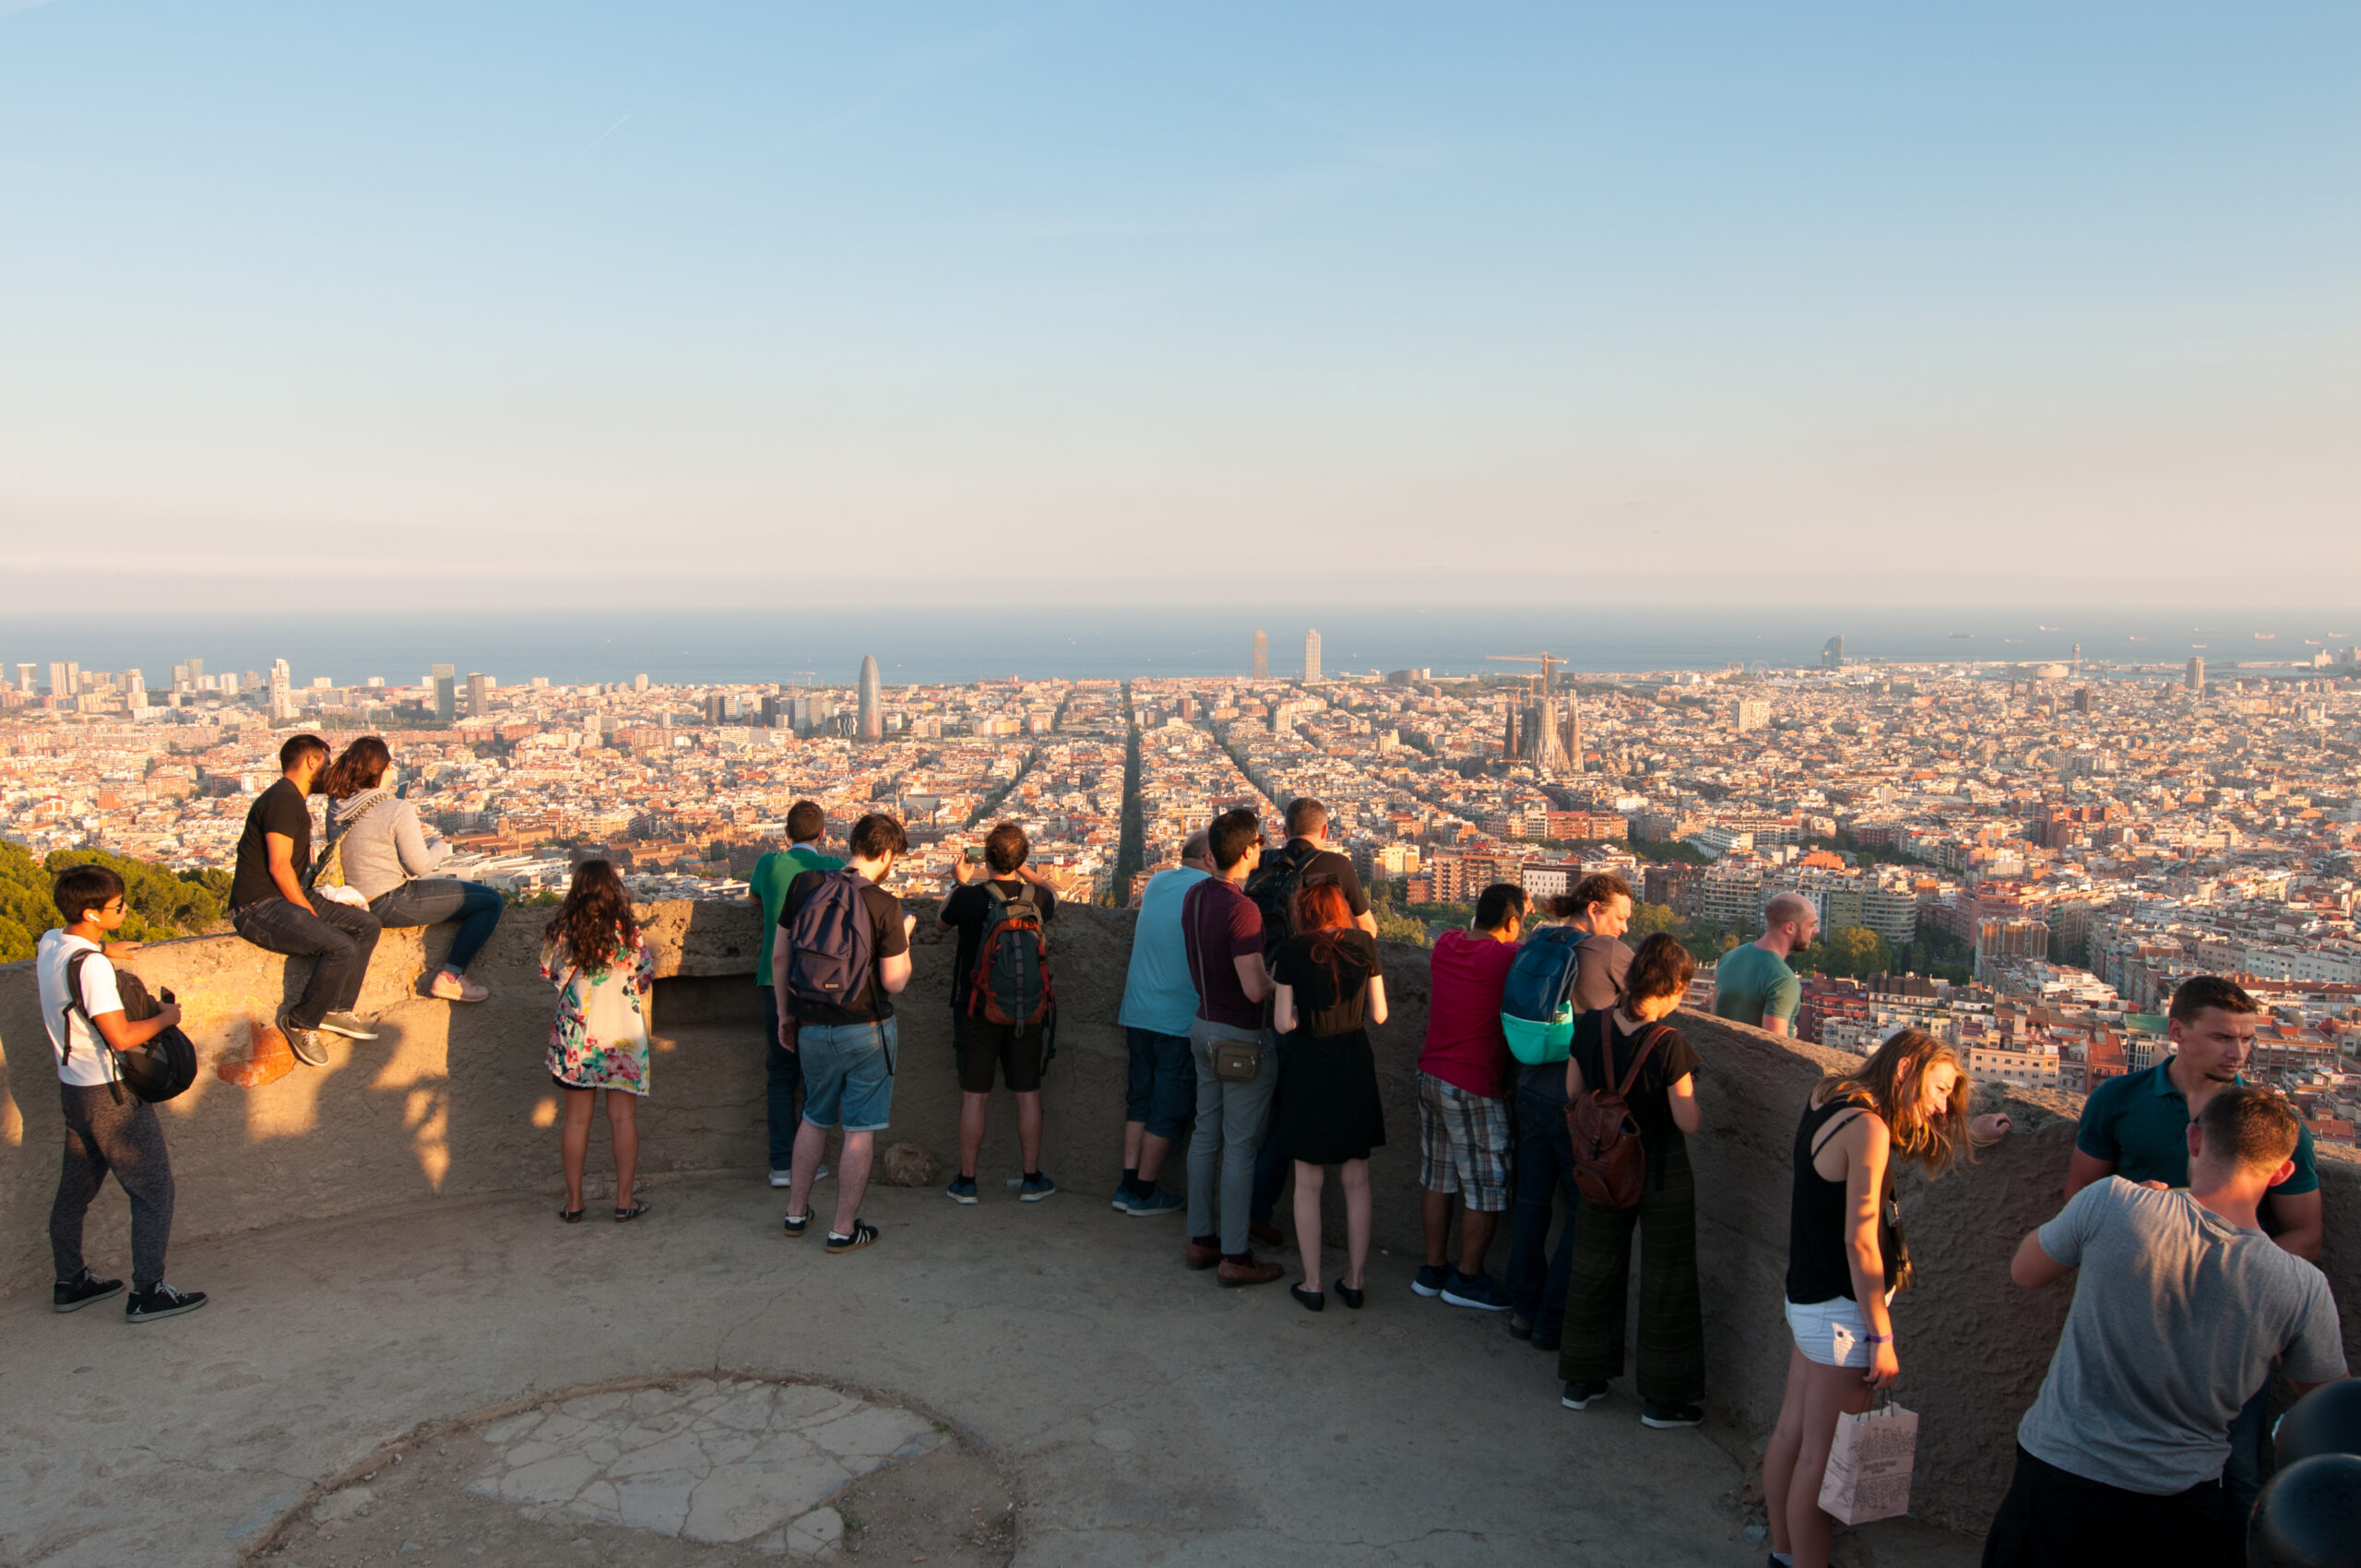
{"type": "Point", "coordinates": [1907, 1103]}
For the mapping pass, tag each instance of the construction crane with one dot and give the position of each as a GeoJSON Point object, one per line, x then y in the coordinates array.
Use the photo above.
{"type": "Point", "coordinates": [1546, 661]}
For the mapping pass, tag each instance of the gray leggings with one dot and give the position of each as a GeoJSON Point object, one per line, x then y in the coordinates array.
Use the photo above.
{"type": "Point", "coordinates": [128, 1140]}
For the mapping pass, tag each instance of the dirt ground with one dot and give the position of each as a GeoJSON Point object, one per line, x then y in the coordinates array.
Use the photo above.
{"type": "Point", "coordinates": [950, 1507]}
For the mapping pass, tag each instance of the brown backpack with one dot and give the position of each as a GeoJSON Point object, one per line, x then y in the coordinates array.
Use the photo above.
{"type": "Point", "coordinates": [1608, 1161]}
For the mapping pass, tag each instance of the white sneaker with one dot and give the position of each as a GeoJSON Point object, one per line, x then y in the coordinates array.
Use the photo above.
{"type": "Point", "coordinates": [787, 1178]}
{"type": "Point", "coordinates": [448, 987]}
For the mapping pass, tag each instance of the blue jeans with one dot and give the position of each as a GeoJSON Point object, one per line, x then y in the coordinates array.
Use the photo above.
{"type": "Point", "coordinates": [848, 1075]}
{"type": "Point", "coordinates": [783, 1074]}
{"type": "Point", "coordinates": [1162, 1089]}
{"type": "Point", "coordinates": [1545, 1168]}
{"type": "Point", "coordinates": [434, 899]}
{"type": "Point", "coordinates": [337, 937]}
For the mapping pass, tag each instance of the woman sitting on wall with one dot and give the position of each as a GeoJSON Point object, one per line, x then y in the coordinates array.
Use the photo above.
{"type": "Point", "coordinates": [377, 847]}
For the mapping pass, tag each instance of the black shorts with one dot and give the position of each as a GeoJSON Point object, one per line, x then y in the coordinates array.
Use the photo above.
{"type": "Point", "coordinates": [2054, 1518]}
{"type": "Point", "coordinates": [981, 1044]}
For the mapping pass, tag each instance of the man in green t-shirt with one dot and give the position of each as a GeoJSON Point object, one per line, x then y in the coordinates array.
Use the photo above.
{"type": "Point", "coordinates": [806, 822]}
{"type": "Point", "coordinates": [1753, 984]}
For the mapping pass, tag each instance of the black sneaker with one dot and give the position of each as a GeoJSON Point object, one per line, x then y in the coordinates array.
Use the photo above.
{"type": "Point", "coordinates": [864, 1234]}
{"type": "Point", "coordinates": [305, 1043]}
{"type": "Point", "coordinates": [72, 1296]}
{"type": "Point", "coordinates": [1034, 1188]}
{"type": "Point", "coordinates": [1578, 1396]}
{"type": "Point", "coordinates": [1431, 1279]}
{"type": "Point", "coordinates": [1666, 1417]}
{"type": "Point", "coordinates": [146, 1306]}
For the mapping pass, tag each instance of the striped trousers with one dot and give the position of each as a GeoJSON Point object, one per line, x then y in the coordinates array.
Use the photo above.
{"type": "Point", "coordinates": [1672, 1320]}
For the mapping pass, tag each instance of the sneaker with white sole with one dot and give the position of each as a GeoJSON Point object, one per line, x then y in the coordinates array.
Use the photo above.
{"type": "Point", "coordinates": [345, 1022]}
{"type": "Point", "coordinates": [1157, 1202]}
{"type": "Point", "coordinates": [783, 1178]}
{"type": "Point", "coordinates": [1431, 1279]}
{"type": "Point", "coordinates": [73, 1295]}
{"type": "Point", "coordinates": [305, 1043]}
{"type": "Point", "coordinates": [1578, 1396]}
{"type": "Point", "coordinates": [1034, 1188]}
{"type": "Point", "coordinates": [1664, 1418]}
{"type": "Point", "coordinates": [146, 1306]}
{"type": "Point", "coordinates": [1474, 1290]}
{"type": "Point", "coordinates": [448, 987]}
{"type": "Point", "coordinates": [962, 1190]}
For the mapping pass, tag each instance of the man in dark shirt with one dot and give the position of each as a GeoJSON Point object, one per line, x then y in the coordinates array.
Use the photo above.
{"type": "Point", "coordinates": [1222, 932]}
{"type": "Point", "coordinates": [972, 909]}
{"type": "Point", "coordinates": [847, 1047]}
{"type": "Point", "coordinates": [2137, 1127]}
{"type": "Point", "coordinates": [270, 908]}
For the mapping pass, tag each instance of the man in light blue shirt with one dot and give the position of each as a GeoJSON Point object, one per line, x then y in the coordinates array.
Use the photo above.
{"type": "Point", "coordinates": [1159, 1002]}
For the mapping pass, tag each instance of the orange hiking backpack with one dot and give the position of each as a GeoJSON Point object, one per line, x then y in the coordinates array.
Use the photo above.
{"type": "Point", "coordinates": [1610, 1163]}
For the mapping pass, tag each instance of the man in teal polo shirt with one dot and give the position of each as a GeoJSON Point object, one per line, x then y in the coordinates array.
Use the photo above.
{"type": "Point", "coordinates": [783, 1073]}
{"type": "Point", "coordinates": [2137, 1127]}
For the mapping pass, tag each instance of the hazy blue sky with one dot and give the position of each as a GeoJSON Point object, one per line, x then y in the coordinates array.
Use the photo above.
{"type": "Point", "coordinates": [498, 302]}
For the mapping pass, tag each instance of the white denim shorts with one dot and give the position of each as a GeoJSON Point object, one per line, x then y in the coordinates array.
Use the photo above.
{"type": "Point", "coordinates": [1832, 1333]}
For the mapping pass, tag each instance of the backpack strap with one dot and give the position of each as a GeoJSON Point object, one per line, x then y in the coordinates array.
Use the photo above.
{"type": "Point", "coordinates": [75, 1001]}
{"type": "Point", "coordinates": [336, 835]}
{"type": "Point", "coordinates": [1647, 1045]}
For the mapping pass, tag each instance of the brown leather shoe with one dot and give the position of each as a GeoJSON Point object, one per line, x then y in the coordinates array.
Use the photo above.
{"type": "Point", "coordinates": [1269, 1235]}
{"type": "Point", "coordinates": [1203, 1254]}
{"type": "Point", "coordinates": [1233, 1274]}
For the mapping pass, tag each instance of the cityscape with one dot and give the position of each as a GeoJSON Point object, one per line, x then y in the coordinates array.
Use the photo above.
{"type": "Point", "coordinates": [2024, 858]}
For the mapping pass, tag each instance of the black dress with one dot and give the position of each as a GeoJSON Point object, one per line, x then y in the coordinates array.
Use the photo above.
{"type": "Point", "coordinates": [1329, 1112]}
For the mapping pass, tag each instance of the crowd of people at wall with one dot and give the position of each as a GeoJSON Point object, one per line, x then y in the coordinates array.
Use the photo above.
{"type": "Point", "coordinates": [1552, 1086]}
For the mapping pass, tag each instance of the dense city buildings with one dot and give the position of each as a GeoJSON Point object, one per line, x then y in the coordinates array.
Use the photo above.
{"type": "Point", "coordinates": [2023, 859]}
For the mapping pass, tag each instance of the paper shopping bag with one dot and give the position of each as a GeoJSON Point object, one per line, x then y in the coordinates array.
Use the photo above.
{"type": "Point", "coordinates": [1868, 1465]}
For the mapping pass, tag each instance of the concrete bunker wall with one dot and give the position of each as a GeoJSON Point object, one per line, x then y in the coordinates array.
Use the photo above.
{"type": "Point", "coordinates": [453, 1101]}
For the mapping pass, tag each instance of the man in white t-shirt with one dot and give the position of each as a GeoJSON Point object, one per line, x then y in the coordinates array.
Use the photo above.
{"type": "Point", "coordinates": [107, 1127]}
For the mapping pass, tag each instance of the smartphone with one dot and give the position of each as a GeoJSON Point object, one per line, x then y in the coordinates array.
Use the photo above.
{"type": "Point", "coordinates": [974, 857]}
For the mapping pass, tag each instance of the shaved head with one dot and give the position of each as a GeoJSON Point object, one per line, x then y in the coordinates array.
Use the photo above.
{"type": "Point", "coordinates": [1786, 906]}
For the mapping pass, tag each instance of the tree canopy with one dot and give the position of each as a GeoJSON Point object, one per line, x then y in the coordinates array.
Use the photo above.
{"type": "Point", "coordinates": [162, 902]}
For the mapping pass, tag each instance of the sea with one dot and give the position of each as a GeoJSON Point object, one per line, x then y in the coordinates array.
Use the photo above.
{"type": "Point", "coordinates": [956, 644]}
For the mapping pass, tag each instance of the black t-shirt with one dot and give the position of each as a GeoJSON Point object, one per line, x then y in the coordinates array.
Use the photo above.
{"type": "Point", "coordinates": [1651, 1097]}
{"type": "Point", "coordinates": [279, 809]}
{"type": "Point", "coordinates": [1338, 868]}
{"type": "Point", "coordinates": [969, 908]}
{"type": "Point", "coordinates": [887, 939]}
{"type": "Point", "coordinates": [1323, 1005]}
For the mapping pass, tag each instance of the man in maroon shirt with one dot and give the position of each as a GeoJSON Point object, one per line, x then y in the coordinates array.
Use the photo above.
{"type": "Point", "coordinates": [1222, 933]}
{"type": "Point", "coordinates": [1463, 1111]}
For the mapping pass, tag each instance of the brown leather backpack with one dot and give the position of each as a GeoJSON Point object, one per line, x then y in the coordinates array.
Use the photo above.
{"type": "Point", "coordinates": [1610, 1163]}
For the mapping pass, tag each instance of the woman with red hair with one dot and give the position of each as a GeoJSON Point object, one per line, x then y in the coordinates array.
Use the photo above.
{"type": "Point", "coordinates": [1329, 993]}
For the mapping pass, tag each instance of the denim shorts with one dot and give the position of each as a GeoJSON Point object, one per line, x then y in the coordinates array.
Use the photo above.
{"type": "Point", "coordinates": [1163, 1088]}
{"type": "Point", "coordinates": [1832, 1333]}
{"type": "Point", "coordinates": [848, 1075]}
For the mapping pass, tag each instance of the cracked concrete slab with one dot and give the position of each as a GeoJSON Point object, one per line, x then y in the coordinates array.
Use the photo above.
{"type": "Point", "coordinates": [1145, 1416]}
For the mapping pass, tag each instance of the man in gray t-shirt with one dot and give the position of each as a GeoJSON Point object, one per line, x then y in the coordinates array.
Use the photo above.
{"type": "Point", "coordinates": [2183, 1305]}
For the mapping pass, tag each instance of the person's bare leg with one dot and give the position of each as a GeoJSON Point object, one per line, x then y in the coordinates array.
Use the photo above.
{"type": "Point", "coordinates": [1829, 1392]}
{"type": "Point", "coordinates": [811, 1143]}
{"type": "Point", "coordinates": [971, 1131]}
{"type": "Point", "coordinates": [1308, 1180]}
{"type": "Point", "coordinates": [1028, 1128]}
{"type": "Point", "coordinates": [573, 1142]}
{"type": "Point", "coordinates": [1434, 1217]}
{"type": "Point", "coordinates": [852, 1178]}
{"type": "Point", "coordinates": [1475, 1240]}
{"type": "Point", "coordinates": [1152, 1151]}
{"type": "Point", "coordinates": [1779, 1459]}
{"type": "Point", "coordinates": [1356, 1178]}
{"type": "Point", "coordinates": [622, 1126]}
{"type": "Point", "coordinates": [1134, 1138]}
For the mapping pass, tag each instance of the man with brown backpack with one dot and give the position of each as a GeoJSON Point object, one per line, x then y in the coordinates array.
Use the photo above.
{"type": "Point", "coordinates": [1631, 1104]}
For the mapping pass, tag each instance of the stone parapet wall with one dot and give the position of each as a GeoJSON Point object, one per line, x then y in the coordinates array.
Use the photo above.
{"type": "Point", "coordinates": [454, 1100]}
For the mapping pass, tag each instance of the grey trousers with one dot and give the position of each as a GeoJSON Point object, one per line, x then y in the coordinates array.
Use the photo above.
{"type": "Point", "coordinates": [1230, 1129]}
{"type": "Point", "coordinates": [128, 1140]}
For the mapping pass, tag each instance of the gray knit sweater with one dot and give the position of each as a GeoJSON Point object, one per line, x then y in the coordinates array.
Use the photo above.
{"type": "Point", "coordinates": [384, 846]}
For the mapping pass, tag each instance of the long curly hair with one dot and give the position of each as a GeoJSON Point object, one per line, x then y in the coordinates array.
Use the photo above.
{"type": "Point", "coordinates": [1893, 1083]}
{"type": "Point", "coordinates": [595, 923]}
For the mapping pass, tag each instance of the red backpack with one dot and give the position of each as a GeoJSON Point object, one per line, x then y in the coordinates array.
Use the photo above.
{"type": "Point", "coordinates": [1011, 984]}
{"type": "Point", "coordinates": [1610, 1163]}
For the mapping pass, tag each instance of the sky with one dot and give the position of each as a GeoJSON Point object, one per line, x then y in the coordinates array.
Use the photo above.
{"type": "Point", "coordinates": [333, 310]}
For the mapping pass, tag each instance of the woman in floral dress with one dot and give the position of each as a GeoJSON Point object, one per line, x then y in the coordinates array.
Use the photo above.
{"type": "Point", "coordinates": [594, 955]}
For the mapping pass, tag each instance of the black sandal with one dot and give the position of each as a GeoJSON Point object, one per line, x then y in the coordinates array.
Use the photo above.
{"type": "Point", "coordinates": [571, 1216]}
{"type": "Point", "coordinates": [634, 1212]}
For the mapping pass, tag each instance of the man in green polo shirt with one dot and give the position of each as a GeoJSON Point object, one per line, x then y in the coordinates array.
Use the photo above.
{"type": "Point", "coordinates": [2137, 1127]}
{"type": "Point", "coordinates": [767, 887]}
{"type": "Point", "coordinates": [1753, 984]}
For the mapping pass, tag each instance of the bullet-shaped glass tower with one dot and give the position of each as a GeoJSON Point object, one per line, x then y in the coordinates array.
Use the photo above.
{"type": "Point", "coordinates": [872, 710]}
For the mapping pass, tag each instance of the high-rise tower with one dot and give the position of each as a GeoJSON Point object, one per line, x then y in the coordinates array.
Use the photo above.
{"type": "Point", "coordinates": [1311, 656]}
{"type": "Point", "coordinates": [446, 693]}
{"type": "Point", "coordinates": [1262, 654]}
{"type": "Point", "coordinates": [2196, 675]}
{"type": "Point", "coordinates": [871, 726]}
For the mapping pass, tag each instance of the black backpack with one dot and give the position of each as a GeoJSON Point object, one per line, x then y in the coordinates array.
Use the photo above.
{"type": "Point", "coordinates": [161, 1070]}
{"type": "Point", "coordinates": [1272, 888]}
{"type": "Point", "coordinates": [1010, 983]}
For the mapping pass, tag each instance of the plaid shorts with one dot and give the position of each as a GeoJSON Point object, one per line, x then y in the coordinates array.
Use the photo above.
{"type": "Point", "coordinates": [1463, 1140]}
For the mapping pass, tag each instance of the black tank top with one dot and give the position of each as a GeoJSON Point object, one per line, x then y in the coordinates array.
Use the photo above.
{"type": "Point", "coordinates": [1819, 1268]}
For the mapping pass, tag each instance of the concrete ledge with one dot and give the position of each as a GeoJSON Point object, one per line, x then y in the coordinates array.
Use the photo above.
{"type": "Point", "coordinates": [452, 1101]}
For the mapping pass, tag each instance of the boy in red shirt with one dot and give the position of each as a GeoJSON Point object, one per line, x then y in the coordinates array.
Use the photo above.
{"type": "Point", "coordinates": [1464, 1112]}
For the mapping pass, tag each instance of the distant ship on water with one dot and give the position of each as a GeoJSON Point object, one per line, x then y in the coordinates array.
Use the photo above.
{"type": "Point", "coordinates": [2266, 637]}
{"type": "Point", "coordinates": [2138, 640]}
{"type": "Point", "coordinates": [1966, 636]}
{"type": "Point", "coordinates": [2049, 629]}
